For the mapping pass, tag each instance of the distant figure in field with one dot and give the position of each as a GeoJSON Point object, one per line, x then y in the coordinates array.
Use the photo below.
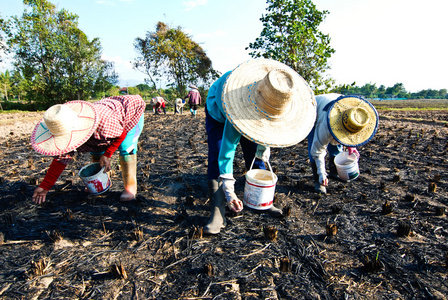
{"type": "Point", "coordinates": [194, 99]}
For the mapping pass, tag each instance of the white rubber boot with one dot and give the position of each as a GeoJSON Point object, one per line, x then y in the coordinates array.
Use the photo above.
{"type": "Point", "coordinates": [128, 165]}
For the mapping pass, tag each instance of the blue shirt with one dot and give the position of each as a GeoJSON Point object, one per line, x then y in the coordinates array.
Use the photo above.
{"type": "Point", "coordinates": [230, 137]}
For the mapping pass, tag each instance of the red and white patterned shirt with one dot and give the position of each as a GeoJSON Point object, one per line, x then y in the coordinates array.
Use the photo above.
{"type": "Point", "coordinates": [116, 114]}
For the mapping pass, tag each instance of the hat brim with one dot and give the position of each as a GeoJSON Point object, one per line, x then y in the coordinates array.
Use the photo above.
{"type": "Point", "coordinates": [337, 129]}
{"type": "Point", "coordinates": [247, 118]}
{"type": "Point", "coordinates": [44, 142]}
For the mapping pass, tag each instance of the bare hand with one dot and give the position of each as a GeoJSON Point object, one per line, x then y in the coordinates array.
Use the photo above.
{"type": "Point", "coordinates": [39, 195]}
{"type": "Point", "coordinates": [105, 162]}
{"type": "Point", "coordinates": [236, 205]}
{"type": "Point", "coordinates": [324, 181]}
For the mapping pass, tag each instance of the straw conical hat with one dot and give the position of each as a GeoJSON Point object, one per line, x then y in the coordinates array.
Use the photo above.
{"type": "Point", "coordinates": [269, 103]}
{"type": "Point", "coordinates": [64, 128]}
{"type": "Point", "coordinates": [352, 120]}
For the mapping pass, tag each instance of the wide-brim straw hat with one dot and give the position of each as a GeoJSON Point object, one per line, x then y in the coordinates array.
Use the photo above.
{"type": "Point", "coordinates": [64, 127]}
{"type": "Point", "coordinates": [269, 103]}
{"type": "Point", "coordinates": [192, 86]}
{"type": "Point", "coordinates": [352, 120]}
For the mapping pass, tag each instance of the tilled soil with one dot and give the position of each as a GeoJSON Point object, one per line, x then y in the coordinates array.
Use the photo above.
{"type": "Point", "coordinates": [382, 236]}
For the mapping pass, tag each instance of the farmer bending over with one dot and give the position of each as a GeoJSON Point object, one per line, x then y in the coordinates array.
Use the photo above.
{"type": "Point", "coordinates": [194, 99]}
{"type": "Point", "coordinates": [158, 104]}
{"type": "Point", "coordinates": [261, 104]}
{"type": "Point", "coordinates": [341, 121]}
{"type": "Point", "coordinates": [99, 128]}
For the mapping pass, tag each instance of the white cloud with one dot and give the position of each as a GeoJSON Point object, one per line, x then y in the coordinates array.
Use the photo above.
{"type": "Point", "coordinates": [193, 3]}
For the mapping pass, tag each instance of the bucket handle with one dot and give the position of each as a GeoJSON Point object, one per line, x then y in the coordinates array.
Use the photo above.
{"type": "Point", "coordinates": [270, 169]}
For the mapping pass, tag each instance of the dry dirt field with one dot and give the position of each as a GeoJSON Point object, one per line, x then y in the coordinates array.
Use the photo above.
{"type": "Point", "coordinates": [382, 236]}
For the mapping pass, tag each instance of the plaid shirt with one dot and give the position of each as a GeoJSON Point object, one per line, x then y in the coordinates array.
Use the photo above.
{"type": "Point", "coordinates": [116, 114]}
{"type": "Point", "coordinates": [194, 97]}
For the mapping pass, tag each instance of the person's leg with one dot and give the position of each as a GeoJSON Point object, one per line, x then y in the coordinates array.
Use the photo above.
{"type": "Point", "coordinates": [217, 200]}
{"type": "Point", "coordinates": [128, 161]}
{"type": "Point", "coordinates": [333, 150]}
{"type": "Point", "coordinates": [317, 186]}
{"type": "Point", "coordinates": [249, 149]}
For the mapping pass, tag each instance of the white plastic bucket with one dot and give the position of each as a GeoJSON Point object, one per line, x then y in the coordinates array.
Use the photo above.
{"type": "Point", "coordinates": [259, 188]}
{"type": "Point", "coordinates": [347, 166]}
{"type": "Point", "coordinates": [96, 181]}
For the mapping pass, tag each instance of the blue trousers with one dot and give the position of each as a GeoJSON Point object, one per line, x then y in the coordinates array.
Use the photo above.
{"type": "Point", "coordinates": [215, 130]}
{"type": "Point", "coordinates": [333, 150]}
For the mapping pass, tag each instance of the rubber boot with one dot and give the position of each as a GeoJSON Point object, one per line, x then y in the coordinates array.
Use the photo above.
{"type": "Point", "coordinates": [317, 186]}
{"type": "Point", "coordinates": [128, 165]}
{"type": "Point", "coordinates": [217, 207]}
{"type": "Point", "coordinates": [275, 212]}
{"type": "Point", "coordinates": [333, 171]}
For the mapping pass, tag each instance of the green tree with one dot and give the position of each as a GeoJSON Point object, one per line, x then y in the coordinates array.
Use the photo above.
{"type": "Point", "coordinates": [55, 56]}
{"type": "Point", "coordinates": [291, 35]}
{"type": "Point", "coordinates": [5, 84]}
{"type": "Point", "coordinates": [2, 39]}
{"type": "Point", "coordinates": [171, 54]}
{"type": "Point", "coordinates": [19, 85]}
{"type": "Point", "coordinates": [397, 90]}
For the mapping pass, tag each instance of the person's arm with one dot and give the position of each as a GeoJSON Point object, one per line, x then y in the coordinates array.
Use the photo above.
{"type": "Point", "coordinates": [115, 144]}
{"type": "Point", "coordinates": [53, 173]}
{"type": "Point", "coordinates": [229, 143]}
{"type": "Point", "coordinates": [105, 158]}
{"type": "Point", "coordinates": [230, 139]}
{"type": "Point", "coordinates": [322, 138]}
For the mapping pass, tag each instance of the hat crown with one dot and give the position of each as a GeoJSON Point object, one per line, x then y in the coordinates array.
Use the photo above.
{"type": "Point", "coordinates": [60, 119]}
{"type": "Point", "coordinates": [355, 119]}
{"type": "Point", "coordinates": [276, 91]}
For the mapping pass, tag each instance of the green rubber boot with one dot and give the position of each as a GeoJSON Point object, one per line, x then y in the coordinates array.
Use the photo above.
{"type": "Point", "coordinates": [218, 208]}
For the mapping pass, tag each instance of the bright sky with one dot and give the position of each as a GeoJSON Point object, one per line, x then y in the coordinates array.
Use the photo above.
{"type": "Point", "coordinates": [376, 41]}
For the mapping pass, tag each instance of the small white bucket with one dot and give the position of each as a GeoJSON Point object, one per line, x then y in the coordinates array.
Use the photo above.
{"type": "Point", "coordinates": [96, 181]}
{"type": "Point", "coordinates": [259, 188]}
{"type": "Point", "coordinates": [347, 166]}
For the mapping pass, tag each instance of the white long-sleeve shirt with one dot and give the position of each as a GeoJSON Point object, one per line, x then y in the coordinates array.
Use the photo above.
{"type": "Point", "coordinates": [322, 136]}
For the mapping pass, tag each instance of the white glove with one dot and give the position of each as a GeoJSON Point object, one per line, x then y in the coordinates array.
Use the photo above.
{"type": "Point", "coordinates": [228, 186]}
{"type": "Point", "coordinates": [263, 153]}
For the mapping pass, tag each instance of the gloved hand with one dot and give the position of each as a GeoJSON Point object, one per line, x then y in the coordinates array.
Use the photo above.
{"type": "Point", "coordinates": [228, 187]}
{"type": "Point", "coordinates": [263, 153]}
{"type": "Point", "coordinates": [323, 179]}
{"type": "Point", "coordinates": [352, 150]}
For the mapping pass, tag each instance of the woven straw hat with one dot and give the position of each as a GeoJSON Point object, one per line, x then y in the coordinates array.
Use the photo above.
{"type": "Point", "coordinates": [269, 103]}
{"type": "Point", "coordinates": [352, 120]}
{"type": "Point", "coordinates": [192, 86]}
{"type": "Point", "coordinates": [64, 128]}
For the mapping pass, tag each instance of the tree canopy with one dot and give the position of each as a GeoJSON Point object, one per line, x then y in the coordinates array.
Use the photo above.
{"type": "Point", "coordinates": [54, 56]}
{"type": "Point", "coordinates": [171, 54]}
{"type": "Point", "coordinates": [291, 35]}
